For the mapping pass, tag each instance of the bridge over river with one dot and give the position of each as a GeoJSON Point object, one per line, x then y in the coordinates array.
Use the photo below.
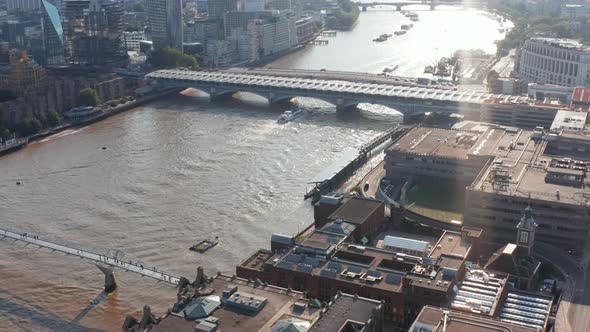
{"type": "Point", "coordinates": [344, 90]}
{"type": "Point", "coordinates": [104, 262]}
{"type": "Point", "coordinates": [398, 4]}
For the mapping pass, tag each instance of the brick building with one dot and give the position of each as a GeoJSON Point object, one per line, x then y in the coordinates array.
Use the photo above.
{"type": "Point", "coordinates": [327, 260]}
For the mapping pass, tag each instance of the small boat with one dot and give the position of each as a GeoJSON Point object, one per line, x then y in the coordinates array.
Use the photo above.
{"type": "Point", "coordinates": [400, 32]}
{"type": "Point", "coordinates": [205, 245]}
{"type": "Point", "coordinates": [406, 26]}
{"type": "Point", "coordinates": [414, 19]}
{"type": "Point", "coordinates": [289, 116]}
{"type": "Point", "coordinates": [80, 112]}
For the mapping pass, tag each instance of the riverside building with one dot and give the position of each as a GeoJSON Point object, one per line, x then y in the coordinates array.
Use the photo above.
{"type": "Point", "coordinates": [554, 61]}
{"type": "Point", "coordinates": [336, 254]}
{"type": "Point", "coordinates": [505, 169]}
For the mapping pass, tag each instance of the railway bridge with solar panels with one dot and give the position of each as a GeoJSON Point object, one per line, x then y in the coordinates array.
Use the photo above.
{"type": "Point", "coordinates": [345, 94]}
{"type": "Point", "coordinates": [397, 5]}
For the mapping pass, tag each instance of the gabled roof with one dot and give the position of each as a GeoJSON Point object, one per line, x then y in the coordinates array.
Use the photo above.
{"type": "Point", "coordinates": [513, 260]}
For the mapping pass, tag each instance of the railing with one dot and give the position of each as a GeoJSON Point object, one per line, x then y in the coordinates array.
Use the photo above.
{"type": "Point", "coordinates": [130, 266]}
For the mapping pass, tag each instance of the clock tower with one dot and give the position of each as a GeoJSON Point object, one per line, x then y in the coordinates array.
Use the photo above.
{"type": "Point", "coordinates": [525, 235]}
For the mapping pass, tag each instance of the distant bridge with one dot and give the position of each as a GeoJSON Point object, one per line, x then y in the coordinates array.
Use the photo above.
{"type": "Point", "coordinates": [397, 4]}
{"type": "Point", "coordinates": [407, 98]}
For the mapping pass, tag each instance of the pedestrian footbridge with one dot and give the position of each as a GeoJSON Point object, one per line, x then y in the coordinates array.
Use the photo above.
{"type": "Point", "coordinates": [104, 262]}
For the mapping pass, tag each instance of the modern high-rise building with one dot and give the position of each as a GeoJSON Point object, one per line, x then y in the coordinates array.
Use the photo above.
{"type": "Point", "coordinates": [53, 34]}
{"type": "Point", "coordinates": [252, 5]}
{"type": "Point", "coordinates": [165, 21]}
{"type": "Point", "coordinates": [38, 32]}
{"type": "Point", "coordinates": [217, 8]}
{"type": "Point", "coordinates": [23, 5]}
{"type": "Point", "coordinates": [281, 4]}
{"type": "Point", "coordinates": [93, 31]}
{"type": "Point", "coordinates": [556, 61]}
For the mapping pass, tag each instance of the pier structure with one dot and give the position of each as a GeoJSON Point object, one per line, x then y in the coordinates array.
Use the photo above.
{"type": "Point", "coordinates": [406, 96]}
{"type": "Point", "coordinates": [105, 263]}
{"type": "Point", "coordinates": [329, 33]}
{"type": "Point", "coordinates": [349, 161]}
{"type": "Point", "coordinates": [318, 41]}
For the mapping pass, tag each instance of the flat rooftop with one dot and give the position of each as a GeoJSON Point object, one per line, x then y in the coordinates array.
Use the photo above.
{"type": "Point", "coordinates": [453, 144]}
{"type": "Point", "coordinates": [280, 303]}
{"type": "Point", "coordinates": [356, 210]}
{"type": "Point", "coordinates": [520, 169]}
{"type": "Point", "coordinates": [256, 261]}
{"type": "Point", "coordinates": [569, 121]}
{"type": "Point", "coordinates": [565, 43]}
{"type": "Point", "coordinates": [431, 319]}
{"type": "Point", "coordinates": [345, 308]}
{"type": "Point", "coordinates": [382, 268]}
{"type": "Point", "coordinates": [450, 244]}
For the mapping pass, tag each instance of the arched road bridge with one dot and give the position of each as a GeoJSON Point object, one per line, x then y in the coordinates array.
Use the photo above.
{"type": "Point", "coordinates": [398, 4]}
{"type": "Point", "coordinates": [407, 98]}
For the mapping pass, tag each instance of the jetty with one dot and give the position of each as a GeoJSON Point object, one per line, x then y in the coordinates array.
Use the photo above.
{"type": "Point", "coordinates": [319, 42]}
{"type": "Point", "coordinates": [350, 160]}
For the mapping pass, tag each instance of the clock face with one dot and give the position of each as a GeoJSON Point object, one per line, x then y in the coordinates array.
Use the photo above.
{"type": "Point", "coordinates": [524, 237]}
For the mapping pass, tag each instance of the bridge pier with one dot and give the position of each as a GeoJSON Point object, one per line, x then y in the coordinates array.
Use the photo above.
{"type": "Point", "coordinates": [364, 8]}
{"type": "Point", "coordinates": [432, 7]}
{"type": "Point", "coordinates": [109, 279]}
{"type": "Point", "coordinates": [215, 95]}
{"type": "Point", "coordinates": [280, 103]}
{"type": "Point", "coordinates": [398, 8]}
{"type": "Point", "coordinates": [343, 108]}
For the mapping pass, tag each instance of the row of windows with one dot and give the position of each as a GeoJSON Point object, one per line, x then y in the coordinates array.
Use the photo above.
{"type": "Point", "coordinates": [556, 66]}
{"type": "Point", "coordinates": [552, 52]}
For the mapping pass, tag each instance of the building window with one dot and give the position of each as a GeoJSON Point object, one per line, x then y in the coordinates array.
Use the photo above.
{"type": "Point", "coordinates": [524, 237]}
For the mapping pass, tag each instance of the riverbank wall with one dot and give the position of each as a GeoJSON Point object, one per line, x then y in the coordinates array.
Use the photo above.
{"type": "Point", "coordinates": [87, 121]}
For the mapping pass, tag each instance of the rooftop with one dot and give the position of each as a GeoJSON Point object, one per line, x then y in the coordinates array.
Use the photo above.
{"type": "Point", "coordinates": [345, 308]}
{"type": "Point", "coordinates": [526, 309]}
{"type": "Point", "coordinates": [520, 170]}
{"type": "Point", "coordinates": [570, 44]}
{"type": "Point", "coordinates": [279, 302]}
{"type": "Point", "coordinates": [382, 268]}
{"type": "Point", "coordinates": [405, 243]}
{"type": "Point", "coordinates": [479, 292]}
{"type": "Point", "coordinates": [431, 319]}
{"type": "Point", "coordinates": [581, 95]}
{"type": "Point", "coordinates": [569, 121]}
{"type": "Point", "coordinates": [356, 210]}
{"type": "Point", "coordinates": [453, 144]}
{"type": "Point", "coordinates": [451, 244]}
{"type": "Point", "coordinates": [513, 260]}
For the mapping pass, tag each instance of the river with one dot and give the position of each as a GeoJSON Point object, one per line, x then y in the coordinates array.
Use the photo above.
{"type": "Point", "coordinates": [183, 169]}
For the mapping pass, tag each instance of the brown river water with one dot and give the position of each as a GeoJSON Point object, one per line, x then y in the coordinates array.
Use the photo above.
{"type": "Point", "coordinates": [183, 169]}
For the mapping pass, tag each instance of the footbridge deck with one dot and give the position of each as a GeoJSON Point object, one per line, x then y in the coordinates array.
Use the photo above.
{"type": "Point", "coordinates": [342, 93]}
{"type": "Point", "coordinates": [129, 266]}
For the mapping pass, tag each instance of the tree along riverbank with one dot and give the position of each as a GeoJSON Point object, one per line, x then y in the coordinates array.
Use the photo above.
{"type": "Point", "coordinates": [104, 113]}
{"type": "Point", "coordinates": [345, 17]}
